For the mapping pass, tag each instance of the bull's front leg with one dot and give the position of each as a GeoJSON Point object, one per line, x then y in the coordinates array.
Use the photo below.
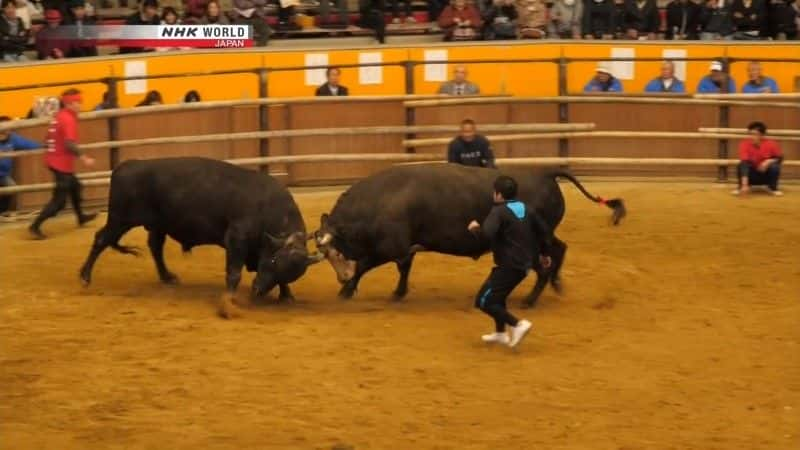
{"type": "Point", "coordinates": [234, 262]}
{"type": "Point", "coordinates": [285, 293]}
{"type": "Point", "coordinates": [362, 266]}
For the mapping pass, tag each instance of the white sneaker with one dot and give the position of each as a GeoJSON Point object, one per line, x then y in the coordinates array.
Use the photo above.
{"type": "Point", "coordinates": [736, 192]}
{"type": "Point", "coordinates": [776, 192]}
{"type": "Point", "coordinates": [518, 332]}
{"type": "Point", "coordinates": [499, 338]}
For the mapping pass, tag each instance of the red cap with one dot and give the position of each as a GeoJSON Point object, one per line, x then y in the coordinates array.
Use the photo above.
{"type": "Point", "coordinates": [52, 14]}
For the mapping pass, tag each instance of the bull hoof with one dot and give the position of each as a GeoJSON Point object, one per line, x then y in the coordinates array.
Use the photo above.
{"type": "Point", "coordinates": [170, 279]}
{"type": "Point", "coordinates": [528, 303]}
{"type": "Point", "coordinates": [557, 286]}
{"type": "Point", "coordinates": [399, 296]}
{"type": "Point", "coordinates": [346, 294]}
{"type": "Point", "coordinates": [85, 281]}
{"type": "Point", "coordinates": [226, 307]}
{"type": "Point", "coordinates": [286, 298]}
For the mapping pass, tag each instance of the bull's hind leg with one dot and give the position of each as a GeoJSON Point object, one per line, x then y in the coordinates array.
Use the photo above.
{"type": "Point", "coordinates": [285, 294]}
{"type": "Point", "coordinates": [155, 240]}
{"type": "Point", "coordinates": [542, 275]}
{"type": "Point", "coordinates": [559, 251]}
{"type": "Point", "coordinates": [107, 236]}
{"type": "Point", "coordinates": [404, 267]}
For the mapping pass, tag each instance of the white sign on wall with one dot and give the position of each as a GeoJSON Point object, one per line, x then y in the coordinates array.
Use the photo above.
{"type": "Point", "coordinates": [370, 74]}
{"type": "Point", "coordinates": [316, 77]}
{"type": "Point", "coordinates": [435, 72]}
{"type": "Point", "coordinates": [135, 69]}
{"type": "Point", "coordinates": [623, 70]}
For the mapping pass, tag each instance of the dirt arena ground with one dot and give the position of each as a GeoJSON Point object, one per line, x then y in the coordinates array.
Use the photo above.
{"type": "Point", "coordinates": [679, 329]}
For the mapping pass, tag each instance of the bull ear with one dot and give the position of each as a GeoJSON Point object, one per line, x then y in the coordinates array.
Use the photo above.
{"type": "Point", "coordinates": [275, 242]}
{"type": "Point", "coordinates": [314, 258]}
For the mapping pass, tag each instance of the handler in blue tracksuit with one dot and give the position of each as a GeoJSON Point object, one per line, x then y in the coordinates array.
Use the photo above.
{"type": "Point", "coordinates": [9, 142]}
{"type": "Point", "coordinates": [517, 235]}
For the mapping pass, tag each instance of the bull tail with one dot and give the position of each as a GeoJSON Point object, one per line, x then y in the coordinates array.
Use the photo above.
{"type": "Point", "coordinates": [616, 204]}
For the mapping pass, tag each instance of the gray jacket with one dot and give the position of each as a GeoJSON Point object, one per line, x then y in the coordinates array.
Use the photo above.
{"type": "Point", "coordinates": [451, 88]}
{"type": "Point", "coordinates": [565, 20]}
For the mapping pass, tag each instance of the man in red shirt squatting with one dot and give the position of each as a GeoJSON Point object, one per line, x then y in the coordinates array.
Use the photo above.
{"type": "Point", "coordinates": [62, 149]}
{"type": "Point", "coordinates": [759, 161]}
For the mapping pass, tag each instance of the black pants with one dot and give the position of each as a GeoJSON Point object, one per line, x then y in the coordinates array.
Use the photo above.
{"type": "Point", "coordinates": [491, 298]}
{"type": "Point", "coordinates": [755, 178]}
{"type": "Point", "coordinates": [67, 185]}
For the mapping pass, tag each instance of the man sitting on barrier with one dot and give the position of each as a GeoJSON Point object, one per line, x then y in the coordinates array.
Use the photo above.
{"type": "Point", "coordinates": [760, 161]}
{"type": "Point", "coordinates": [757, 83]}
{"type": "Point", "coordinates": [603, 81]}
{"type": "Point", "coordinates": [717, 81]}
{"type": "Point", "coordinates": [470, 148]}
{"type": "Point", "coordinates": [666, 83]}
{"type": "Point", "coordinates": [9, 142]}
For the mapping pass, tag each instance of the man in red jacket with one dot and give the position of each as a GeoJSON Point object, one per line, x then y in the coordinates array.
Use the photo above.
{"type": "Point", "coordinates": [62, 149]}
{"type": "Point", "coordinates": [759, 161]}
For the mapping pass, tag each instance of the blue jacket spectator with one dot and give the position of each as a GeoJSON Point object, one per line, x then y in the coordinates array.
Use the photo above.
{"type": "Point", "coordinates": [717, 82]}
{"type": "Point", "coordinates": [758, 83]}
{"type": "Point", "coordinates": [9, 142]}
{"type": "Point", "coordinates": [667, 81]}
{"type": "Point", "coordinates": [603, 81]}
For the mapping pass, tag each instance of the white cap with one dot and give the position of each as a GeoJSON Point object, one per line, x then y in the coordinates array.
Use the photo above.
{"type": "Point", "coordinates": [604, 69]}
{"type": "Point", "coordinates": [716, 65]}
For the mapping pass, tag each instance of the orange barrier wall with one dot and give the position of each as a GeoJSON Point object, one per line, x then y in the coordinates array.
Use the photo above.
{"type": "Point", "coordinates": [494, 78]}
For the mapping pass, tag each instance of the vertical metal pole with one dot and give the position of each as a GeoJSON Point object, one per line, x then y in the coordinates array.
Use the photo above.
{"type": "Point", "coordinates": [563, 108]}
{"type": "Point", "coordinates": [263, 116]}
{"type": "Point", "coordinates": [113, 123]}
{"type": "Point", "coordinates": [723, 122]}
{"type": "Point", "coordinates": [411, 119]}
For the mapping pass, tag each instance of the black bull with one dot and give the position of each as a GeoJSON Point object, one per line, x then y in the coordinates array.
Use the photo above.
{"type": "Point", "coordinates": [198, 201]}
{"type": "Point", "coordinates": [390, 216]}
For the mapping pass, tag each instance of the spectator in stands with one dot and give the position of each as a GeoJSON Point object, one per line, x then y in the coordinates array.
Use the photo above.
{"type": "Point", "coordinates": [566, 17]}
{"type": "Point", "coordinates": [757, 83]}
{"type": "Point", "coordinates": [501, 20]}
{"type": "Point", "coordinates": [214, 15]}
{"type": "Point", "coordinates": [48, 44]}
{"type": "Point", "coordinates": [782, 17]}
{"type": "Point", "coordinates": [332, 88]}
{"type": "Point", "coordinates": [26, 10]}
{"type": "Point", "coordinates": [107, 103]}
{"type": "Point", "coordinates": [191, 97]}
{"type": "Point", "coordinates": [152, 98]}
{"type": "Point", "coordinates": [371, 17]}
{"type": "Point", "coordinates": [250, 12]}
{"type": "Point", "coordinates": [716, 82]}
{"type": "Point", "coordinates": [599, 19]}
{"type": "Point", "coordinates": [459, 85]}
{"type": "Point", "coordinates": [147, 15]}
{"type": "Point", "coordinates": [716, 20]}
{"type": "Point", "coordinates": [194, 10]}
{"type": "Point", "coordinates": [396, 18]}
{"type": "Point", "coordinates": [470, 148]}
{"type": "Point", "coordinates": [9, 142]}
{"type": "Point", "coordinates": [619, 19]}
{"type": "Point", "coordinates": [749, 18]}
{"type": "Point", "coordinates": [666, 82]}
{"type": "Point", "coordinates": [683, 20]}
{"type": "Point", "coordinates": [641, 19]}
{"type": "Point", "coordinates": [603, 81]}
{"type": "Point", "coordinates": [325, 13]}
{"type": "Point", "coordinates": [169, 16]}
{"type": "Point", "coordinates": [532, 22]}
{"type": "Point", "coordinates": [435, 8]}
{"type": "Point", "coordinates": [759, 161]}
{"type": "Point", "coordinates": [13, 35]}
{"type": "Point", "coordinates": [460, 21]}
{"type": "Point", "coordinates": [78, 17]}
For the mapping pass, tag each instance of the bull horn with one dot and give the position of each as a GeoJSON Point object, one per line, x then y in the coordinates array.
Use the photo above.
{"type": "Point", "coordinates": [326, 239]}
{"type": "Point", "coordinates": [314, 258]}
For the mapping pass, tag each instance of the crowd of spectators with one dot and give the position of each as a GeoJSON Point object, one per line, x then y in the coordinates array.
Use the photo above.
{"type": "Point", "coordinates": [458, 20]}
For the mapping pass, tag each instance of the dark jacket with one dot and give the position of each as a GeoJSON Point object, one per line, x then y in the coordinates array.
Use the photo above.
{"type": "Point", "coordinates": [599, 18]}
{"type": "Point", "coordinates": [325, 91]}
{"type": "Point", "coordinates": [517, 235]}
{"type": "Point", "coordinates": [12, 43]}
{"type": "Point", "coordinates": [644, 19]}
{"type": "Point", "coordinates": [752, 18]}
{"type": "Point", "coordinates": [260, 28]}
{"type": "Point", "coordinates": [500, 22]}
{"type": "Point", "coordinates": [136, 19]}
{"type": "Point", "coordinates": [81, 48]}
{"type": "Point", "coordinates": [476, 153]}
{"type": "Point", "coordinates": [717, 20]}
{"type": "Point", "coordinates": [781, 19]}
{"type": "Point", "coordinates": [683, 18]}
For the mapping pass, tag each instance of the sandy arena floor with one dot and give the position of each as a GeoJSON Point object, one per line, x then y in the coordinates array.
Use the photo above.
{"type": "Point", "coordinates": [678, 330]}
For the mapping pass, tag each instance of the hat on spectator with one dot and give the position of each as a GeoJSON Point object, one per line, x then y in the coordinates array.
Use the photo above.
{"type": "Point", "coordinates": [716, 65]}
{"type": "Point", "coordinates": [604, 69]}
{"type": "Point", "coordinates": [52, 15]}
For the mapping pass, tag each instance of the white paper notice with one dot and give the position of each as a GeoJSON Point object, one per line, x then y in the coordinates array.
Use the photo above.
{"type": "Point", "coordinates": [316, 77]}
{"type": "Point", "coordinates": [680, 66]}
{"type": "Point", "coordinates": [135, 69]}
{"type": "Point", "coordinates": [370, 74]}
{"type": "Point", "coordinates": [622, 69]}
{"type": "Point", "coordinates": [435, 72]}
